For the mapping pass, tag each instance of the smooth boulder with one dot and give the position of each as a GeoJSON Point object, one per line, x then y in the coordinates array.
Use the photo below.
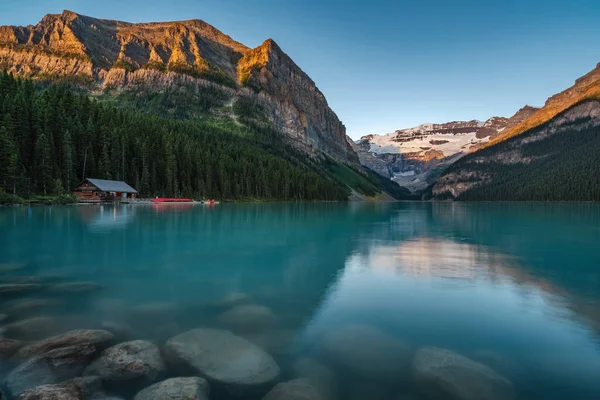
{"type": "Point", "coordinates": [367, 352]}
{"type": "Point", "coordinates": [278, 342]}
{"type": "Point", "coordinates": [228, 361]}
{"type": "Point", "coordinates": [75, 389]}
{"type": "Point", "coordinates": [97, 337]}
{"type": "Point", "coordinates": [8, 290]}
{"type": "Point", "coordinates": [34, 328]}
{"type": "Point", "coordinates": [440, 373]}
{"type": "Point", "coordinates": [248, 318]}
{"type": "Point", "coordinates": [8, 347]}
{"type": "Point", "coordinates": [298, 389]}
{"type": "Point", "coordinates": [193, 388]}
{"type": "Point", "coordinates": [49, 368]}
{"type": "Point", "coordinates": [131, 364]}
{"type": "Point", "coordinates": [318, 374]}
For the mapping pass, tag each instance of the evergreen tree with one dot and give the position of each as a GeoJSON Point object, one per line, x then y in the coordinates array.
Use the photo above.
{"type": "Point", "coordinates": [43, 164]}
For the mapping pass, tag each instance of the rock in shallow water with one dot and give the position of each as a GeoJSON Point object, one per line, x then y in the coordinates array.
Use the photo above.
{"type": "Point", "coordinates": [9, 268]}
{"type": "Point", "coordinates": [33, 328]}
{"type": "Point", "coordinates": [248, 318]}
{"type": "Point", "coordinates": [27, 307]}
{"type": "Point", "coordinates": [52, 367]}
{"type": "Point", "coordinates": [319, 375]}
{"type": "Point", "coordinates": [228, 361]}
{"type": "Point", "coordinates": [121, 331]}
{"type": "Point", "coordinates": [158, 321]}
{"type": "Point", "coordinates": [8, 347]}
{"type": "Point", "coordinates": [298, 389]}
{"type": "Point", "coordinates": [278, 342]}
{"type": "Point", "coordinates": [441, 373]}
{"type": "Point", "coordinates": [193, 388]}
{"type": "Point", "coordinates": [15, 289]}
{"type": "Point", "coordinates": [98, 338]}
{"type": "Point", "coordinates": [231, 300]}
{"type": "Point", "coordinates": [74, 288]}
{"type": "Point", "coordinates": [74, 389]}
{"type": "Point", "coordinates": [131, 364]}
{"type": "Point", "coordinates": [367, 352]}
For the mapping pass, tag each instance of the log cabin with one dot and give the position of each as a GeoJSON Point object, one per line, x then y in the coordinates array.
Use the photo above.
{"type": "Point", "coordinates": [97, 190]}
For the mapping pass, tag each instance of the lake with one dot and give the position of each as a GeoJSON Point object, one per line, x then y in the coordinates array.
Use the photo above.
{"type": "Point", "coordinates": [497, 300]}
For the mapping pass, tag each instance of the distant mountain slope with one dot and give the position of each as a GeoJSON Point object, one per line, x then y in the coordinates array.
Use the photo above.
{"type": "Point", "coordinates": [415, 157]}
{"type": "Point", "coordinates": [556, 161]}
{"type": "Point", "coordinates": [119, 57]}
{"type": "Point", "coordinates": [586, 87]}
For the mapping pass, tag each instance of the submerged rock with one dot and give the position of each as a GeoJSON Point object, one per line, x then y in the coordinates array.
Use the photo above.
{"type": "Point", "coordinates": [498, 362]}
{"type": "Point", "coordinates": [9, 290]}
{"type": "Point", "coordinates": [34, 328]}
{"type": "Point", "coordinates": [132, 364]}
{"type": "Point", "coordinates": [319, 375]}
{"type": "Point", "coordinates": [46, 278]}
{"type": "Point", "coordinates": [156, 320]}
{"type": "Point", "coordinates": [441, 373]}
{"type": "Point", "coordinates": [75, 389]}
{"type": "Point", "coordinates": [232, 299]}
{"type": "Point", "coordinates": [52, 367]}
{"type": "Point", "coordinates": [361, 389]}
{"type": "Point", "coordinates": [367, 352]}
{"type": "Point", "coordinates": [229, 361]}
{"type": "Point", "coordinates": [298, 389]}
{"type": "Point", "coordinates": [26, 307]}
{"type": "Point", "coordinates": [277, 342]}
{"type": "Point", "coordinates": [248, 318]}
{"type": "Point", "coordinates": [8, 347]}
{"type": "Point", "coordinates": [11, 267]}
{"type": "Point", "coordinates": [74, 288]}
{"type": "Point", "coordinates": [193, 388]}
{"type": "Point", "coordinates": [121, 331]}
{"type": "Point", "coordinates": [98, 338]}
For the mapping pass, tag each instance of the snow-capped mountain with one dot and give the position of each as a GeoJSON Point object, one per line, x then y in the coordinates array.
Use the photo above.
{"type": "Point", "coordinates": [416, 156]}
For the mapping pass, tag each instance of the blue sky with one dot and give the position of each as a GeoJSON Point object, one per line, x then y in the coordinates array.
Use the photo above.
{"type": "Point", "coordinates": [386, 65]}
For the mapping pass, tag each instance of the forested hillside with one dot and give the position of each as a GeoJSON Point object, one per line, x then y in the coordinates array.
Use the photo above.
{"type": "Point", "coordinates": [557, 161]}
{"type": "Point", "coordinates": [52, 137]}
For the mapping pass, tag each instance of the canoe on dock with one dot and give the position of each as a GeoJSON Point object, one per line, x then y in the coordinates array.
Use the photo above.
{"type": "Point", "coordinates": [171, 200]}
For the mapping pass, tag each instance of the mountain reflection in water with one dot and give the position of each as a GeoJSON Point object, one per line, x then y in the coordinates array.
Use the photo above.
{"type": "Point", "coordinates": [348, 293]}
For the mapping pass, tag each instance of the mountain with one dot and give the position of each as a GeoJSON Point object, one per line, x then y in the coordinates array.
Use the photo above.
{"type": "Point", "coordinates": [551, 155]}
{"type": "Point", "coordinates": [556, 161]}
{"type": "Point", "coordinates": [120, 58]}
{"type": "Point", "coordinates": [415, 157]}
{"type": "Point", "coordinates": [586, 87]}
{"type": "Point", "coordinates": [174, 108]}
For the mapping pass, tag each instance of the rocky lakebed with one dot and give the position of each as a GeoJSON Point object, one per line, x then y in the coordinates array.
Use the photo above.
{"type": "Point", "coordinates": [66, 340]}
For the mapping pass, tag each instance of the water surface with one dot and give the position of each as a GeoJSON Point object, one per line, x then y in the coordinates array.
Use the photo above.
{"type": "Point", "coordinates": [513, 286]}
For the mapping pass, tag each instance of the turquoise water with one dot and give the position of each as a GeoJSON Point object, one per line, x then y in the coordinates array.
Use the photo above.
{"type": "Point", "coordinates": [513, 286]}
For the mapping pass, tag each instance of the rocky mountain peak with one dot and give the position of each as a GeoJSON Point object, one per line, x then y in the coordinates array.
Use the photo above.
{"type": "Point", "coordinates": [110, 54]}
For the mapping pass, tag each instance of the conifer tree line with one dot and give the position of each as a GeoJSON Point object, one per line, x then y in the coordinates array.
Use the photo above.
{"type": "Point", "coordinates": [51, 138]}
{"type": "Point", "coordinates": [563, 166]}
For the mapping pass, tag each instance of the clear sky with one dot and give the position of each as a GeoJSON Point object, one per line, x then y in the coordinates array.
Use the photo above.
{"type": "Point", "coordinates": [385, 65]}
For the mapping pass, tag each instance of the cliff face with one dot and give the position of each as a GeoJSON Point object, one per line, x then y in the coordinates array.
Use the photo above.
{"type": "Point", "coordinates": [104, 54]}
{"type": "Point", "coordinates": [586, 87]}
{"type": "Point", "coordinates": [292, 99]}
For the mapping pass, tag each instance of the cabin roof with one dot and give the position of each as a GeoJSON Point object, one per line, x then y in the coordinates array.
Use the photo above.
{"type": "Point", "coordinates": [110, 186]}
